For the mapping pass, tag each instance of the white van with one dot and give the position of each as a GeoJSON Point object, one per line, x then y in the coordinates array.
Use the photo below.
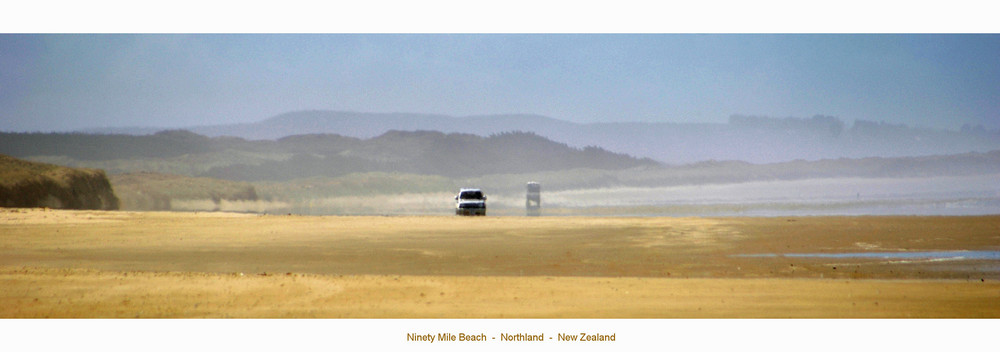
{"type": "Point", "coordinates": [470, 201]}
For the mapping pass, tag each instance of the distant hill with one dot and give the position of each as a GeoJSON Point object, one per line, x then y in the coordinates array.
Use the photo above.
{"type": "Point", "coordinates": [302, 156]}
{"type": "Point", "coordinates": [755, 139]}
{"type": "Point", "coordinates": [425, 153]}
{"type": "Point", "coordinates": [26, 184]}
{"type": "Point", "coordinates": [368, 125]}
{"type": "Point", "coordinates": [84, 146]}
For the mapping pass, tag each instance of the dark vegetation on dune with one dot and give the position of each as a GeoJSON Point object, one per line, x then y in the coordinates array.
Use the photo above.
{"type": "Point", "coordinates": [28, 184]}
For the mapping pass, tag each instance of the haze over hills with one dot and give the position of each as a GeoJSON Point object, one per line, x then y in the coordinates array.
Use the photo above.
{"type": "Point", "coordinates": [315, 155]}
{"type": "Point", "coordinates": [754, 139]}
{"type": "Point", "coordinates": [416, 172]}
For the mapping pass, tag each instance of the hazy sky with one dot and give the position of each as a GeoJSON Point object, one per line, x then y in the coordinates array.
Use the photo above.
{"type": "Point", "coordinates": [76, 81]}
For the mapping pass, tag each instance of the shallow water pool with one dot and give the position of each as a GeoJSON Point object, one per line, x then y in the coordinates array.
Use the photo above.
{"type": "Point", "coordinates": [952, 255]}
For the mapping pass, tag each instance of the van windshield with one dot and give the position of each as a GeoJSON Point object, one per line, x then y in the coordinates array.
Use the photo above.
{"type": "Point", "coordinates": [471, 195]}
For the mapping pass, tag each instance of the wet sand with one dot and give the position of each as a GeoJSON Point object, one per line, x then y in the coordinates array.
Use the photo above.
{"type": "Point", "coordinates": [159, 264]}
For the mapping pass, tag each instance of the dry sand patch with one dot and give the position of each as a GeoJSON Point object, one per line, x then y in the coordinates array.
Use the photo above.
{"type": "Point", "coordinates": [81, 293]}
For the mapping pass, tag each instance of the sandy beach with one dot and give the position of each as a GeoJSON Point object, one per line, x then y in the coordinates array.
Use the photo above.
{"type": "Point", "coordinates": [97, 264]}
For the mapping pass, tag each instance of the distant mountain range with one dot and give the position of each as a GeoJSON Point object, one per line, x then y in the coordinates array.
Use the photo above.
{"type": "Point", "coordinates": [747, 138]}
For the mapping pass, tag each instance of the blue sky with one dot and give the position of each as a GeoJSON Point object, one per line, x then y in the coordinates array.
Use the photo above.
{"type": "Point", "coordinates": [60, 82]}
